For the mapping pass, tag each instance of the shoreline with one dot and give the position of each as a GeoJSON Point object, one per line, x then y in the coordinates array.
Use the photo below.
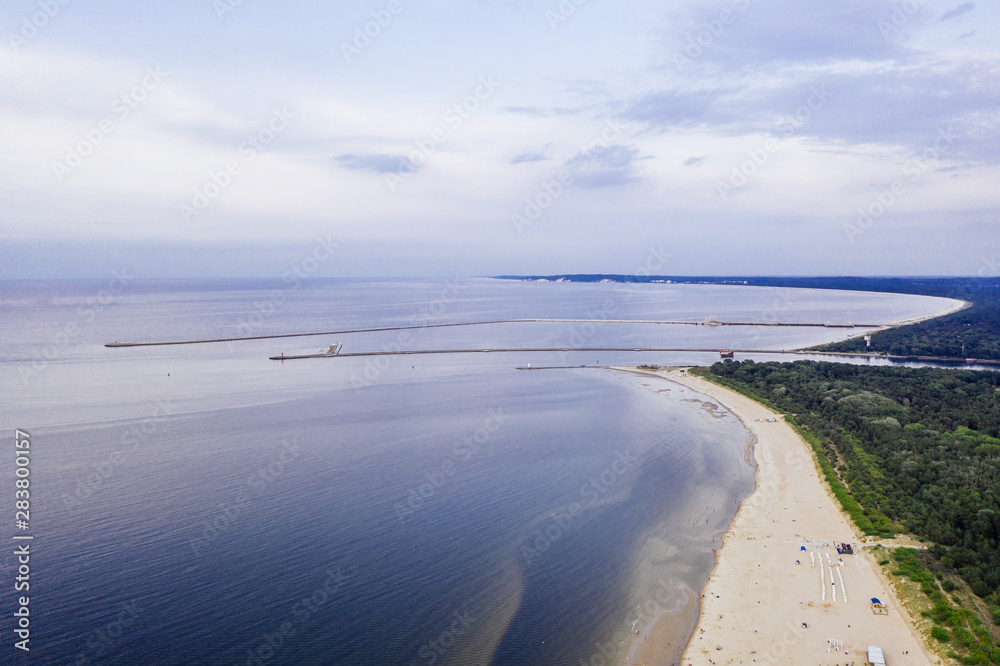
{"type": "Point", "coordinates": [758, 605]}
{"type": "Point", "coordinates": [957, 306]}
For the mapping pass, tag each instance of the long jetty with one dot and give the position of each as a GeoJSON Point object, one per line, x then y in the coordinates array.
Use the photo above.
{"type": "Point", "coordinates": [407, 352]}
{"type": "Point", "coordinates": [803, 352]}
{"type": "Point", "coordinates": [379, 329]}
{"type": "Point", "coordinates": [416, 352]}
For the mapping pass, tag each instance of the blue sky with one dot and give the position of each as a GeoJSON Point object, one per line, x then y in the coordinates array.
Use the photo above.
{"type": "Point", "coordinates": [480, 137]}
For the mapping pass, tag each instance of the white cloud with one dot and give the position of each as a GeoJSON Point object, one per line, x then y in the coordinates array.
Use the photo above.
{"type": "Point", "coordinates": [699, 92]}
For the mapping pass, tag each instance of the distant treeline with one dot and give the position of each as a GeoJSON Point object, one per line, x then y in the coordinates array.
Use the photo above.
{"type": "Point", "coordinates": [905, 449]}
{"type": "Point", "coordinates": [970, 333]}
{"type": "Point", "coordinates": [951, 287]}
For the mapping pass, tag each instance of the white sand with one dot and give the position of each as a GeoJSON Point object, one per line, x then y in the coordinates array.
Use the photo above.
{"type": "Point", "coordinates": [757, 598]}
{"type": "Point", "coordinates": [953, 308]}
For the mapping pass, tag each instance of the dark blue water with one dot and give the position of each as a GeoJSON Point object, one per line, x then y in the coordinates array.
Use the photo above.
{"type": "Point", "coordinates": [202, 504]}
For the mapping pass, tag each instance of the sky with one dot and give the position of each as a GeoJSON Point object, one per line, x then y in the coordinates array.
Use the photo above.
{"type": "Point", "coordinates": [237, 138]}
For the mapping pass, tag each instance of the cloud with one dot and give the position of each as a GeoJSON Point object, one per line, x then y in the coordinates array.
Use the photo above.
{"type": "Point", "coordinates": [380, 163]}
{"type": "Point", "coordinates": [675, 108]}
{"type": "Point", "coordinates": [744, 36]}
{"type": "Point", "coordinates": [605, 167]}
{"type": "Point", "coordinates": [743, 81]}
{"type": "Point", "coordinates": [529, 157]}
{"type": "Point", "coordinates": [966, 35]}
{"type": "Point", "coordinates": [542, 112]}
{"type": "Point", "coordinates": [900, 103]}
{"type": "Point", "coordinates": [963, 8]}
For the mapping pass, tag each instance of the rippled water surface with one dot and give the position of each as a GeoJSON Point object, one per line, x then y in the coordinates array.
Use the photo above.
{"type": "Point", "coordinates": [203, 504]}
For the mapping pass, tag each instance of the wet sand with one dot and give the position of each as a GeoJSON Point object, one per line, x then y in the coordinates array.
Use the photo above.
{"type": "Point", "coordinates": [768, 601]}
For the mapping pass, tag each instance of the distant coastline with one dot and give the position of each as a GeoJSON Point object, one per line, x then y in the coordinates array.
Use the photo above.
{"type": "Point", "coordinates": [946, 287]}
{"type": "Point", "coordinates": [964, 334]}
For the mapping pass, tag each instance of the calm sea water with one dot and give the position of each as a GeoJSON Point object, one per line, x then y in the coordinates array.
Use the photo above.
{"type": "Point", "coordinates": [202, 504]}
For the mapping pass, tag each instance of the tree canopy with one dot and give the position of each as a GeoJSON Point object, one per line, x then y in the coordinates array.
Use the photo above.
{"type": "Point", "coordinates": [918, 449]}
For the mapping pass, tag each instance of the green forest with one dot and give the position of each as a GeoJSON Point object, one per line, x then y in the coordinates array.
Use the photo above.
{"type": "Point", "coordinates": [970, 333]}
{"type": "Point", "coordinates": [905, 450]}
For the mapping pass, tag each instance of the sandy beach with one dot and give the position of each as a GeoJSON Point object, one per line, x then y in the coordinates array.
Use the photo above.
{"type": "Point", "coordinates": [957, 306]}
{"type": "Point", "coordinates": [780, 593]}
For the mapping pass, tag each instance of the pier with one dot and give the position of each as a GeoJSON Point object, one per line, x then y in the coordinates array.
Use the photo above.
{"type": "Point", "coordinates": [799, 352]}
{"type": "Point", "coordinates": [407, 352]}
{"type": "Point", "coordinates": [277, 336]}
{"type": "Point", "coordinates": [708, 322]}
